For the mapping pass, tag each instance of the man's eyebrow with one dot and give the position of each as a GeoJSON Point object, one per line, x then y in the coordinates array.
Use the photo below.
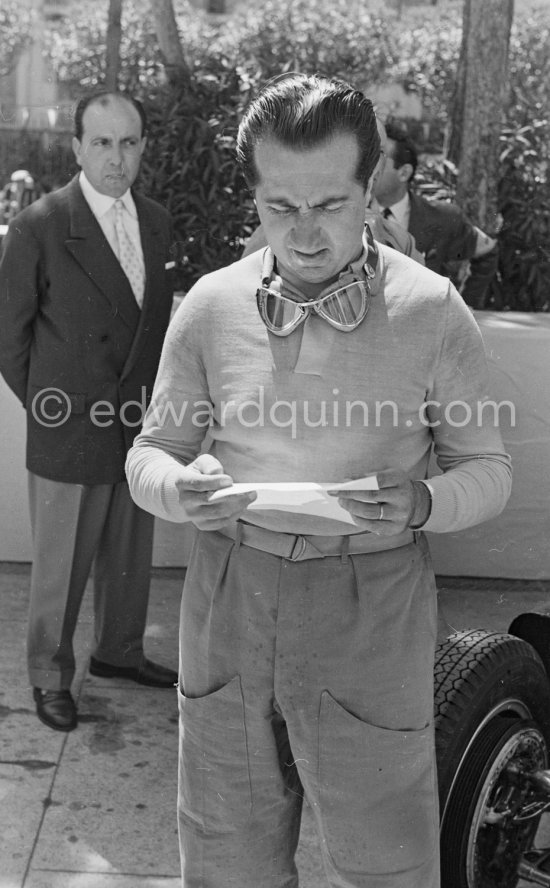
{"type": "Point", "coordinates": [336, 198]}
{"type": "Point", "coordinates": [284, 201]}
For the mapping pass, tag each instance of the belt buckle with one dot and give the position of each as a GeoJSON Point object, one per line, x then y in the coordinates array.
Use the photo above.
{"type": "Point", "coordinates": [298, 548]}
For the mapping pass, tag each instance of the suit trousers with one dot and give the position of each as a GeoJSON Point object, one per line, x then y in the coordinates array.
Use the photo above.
{"type": "Point", "coordinates": [75, 526]}
{"type": "Point", "coordinates": [307, 678]}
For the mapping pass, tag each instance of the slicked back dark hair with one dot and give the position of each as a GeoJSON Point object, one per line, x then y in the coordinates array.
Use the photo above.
{"type": "Point", "coordinates": [404, 150]}
{"type": "Point", "coordinates": [103, 98]}
{"type": "Point", "coordinates": [301, 112]}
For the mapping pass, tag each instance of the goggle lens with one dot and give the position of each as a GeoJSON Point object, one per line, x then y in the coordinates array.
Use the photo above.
{"type": "Point", "coordinates": [346, 306]}
{"type": "Point", "coordinates": [278, 313]}
{"type": "Point", "coordinates": [344, 309]}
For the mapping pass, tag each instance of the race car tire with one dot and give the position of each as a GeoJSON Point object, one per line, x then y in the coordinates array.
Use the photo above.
{"type": "Point", "coordinates": [492, 700]}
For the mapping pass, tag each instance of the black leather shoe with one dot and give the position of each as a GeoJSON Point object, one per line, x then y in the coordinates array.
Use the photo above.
{"type": "Point", "coordinates": [149, 673]}
{"type": "Point", "coordinates": [56, 709]}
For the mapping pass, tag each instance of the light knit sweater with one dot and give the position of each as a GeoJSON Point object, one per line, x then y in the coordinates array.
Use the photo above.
{"type": "Point", "coordinates": [322, 405]}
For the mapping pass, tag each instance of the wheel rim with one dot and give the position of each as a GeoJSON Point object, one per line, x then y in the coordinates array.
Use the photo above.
{"type": "Point", "coordinates": [498, 837]}
{"type": "Point", "coordinates": [508, 707]}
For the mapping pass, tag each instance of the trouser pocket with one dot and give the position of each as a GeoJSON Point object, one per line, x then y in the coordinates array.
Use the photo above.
{"type": "Point", "coordinates": [377, 793]}
{"type": "Point", "coordinates": [214, 792]}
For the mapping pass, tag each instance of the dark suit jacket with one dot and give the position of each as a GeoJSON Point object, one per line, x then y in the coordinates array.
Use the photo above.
{"type": "Point", "coordinates": [447, 239]}
{"type": "Point", "coordinates": [442, 232]}
{"type": "Point", "coordinates": [72, 335]}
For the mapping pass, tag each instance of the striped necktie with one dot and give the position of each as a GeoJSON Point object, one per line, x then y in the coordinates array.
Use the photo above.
{"type": "Point", "coordinates": [128, 256]}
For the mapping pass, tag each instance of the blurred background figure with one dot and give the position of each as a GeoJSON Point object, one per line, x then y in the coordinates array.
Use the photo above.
{"type": "Point", "coordinates": [443, 234]}
{"type": "Point", "coordinates": [19, 192]}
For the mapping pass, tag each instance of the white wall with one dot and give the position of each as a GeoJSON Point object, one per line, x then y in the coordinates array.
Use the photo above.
{"type": "Point", "coordinates": [516, 544]}
{"type": "Point", "coordinates": [15, 536]}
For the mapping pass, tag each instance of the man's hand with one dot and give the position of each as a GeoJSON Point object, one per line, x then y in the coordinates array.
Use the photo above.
{"type": "Point", "coordinates": [398, 504]}
{"type": "Point", "coordinates": [484, 243]}
{"type": "Point", "coordinates": [199, 479]}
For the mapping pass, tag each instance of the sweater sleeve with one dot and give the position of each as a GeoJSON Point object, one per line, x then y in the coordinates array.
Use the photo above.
{"type": "Point", "coordinates": [476, 474]}
{"type": "Point", "coordinates": [153, 476]}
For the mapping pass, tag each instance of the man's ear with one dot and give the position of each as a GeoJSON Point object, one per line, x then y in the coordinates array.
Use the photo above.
{"type": "Point", "coordinates": [379, 168]}
{"type": "Point", "coordinates": [77, 148]}
{"type": "Point", "coordinates": [370, 186]}
{"type": "Point", "coordinates": [405, 172]}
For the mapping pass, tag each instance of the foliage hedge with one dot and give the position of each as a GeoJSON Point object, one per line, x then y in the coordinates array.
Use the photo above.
{"type": "Point", "coordinates": [214, 212]}
{"type": "Point", "coordinates": [190, 166]}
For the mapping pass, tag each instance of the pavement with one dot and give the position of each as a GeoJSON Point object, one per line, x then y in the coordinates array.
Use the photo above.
{"type": "Point", "coordinates": [95, 808]}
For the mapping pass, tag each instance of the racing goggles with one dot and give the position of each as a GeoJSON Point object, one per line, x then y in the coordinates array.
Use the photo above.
{"type": "Point", "coordinates": [344, 308]}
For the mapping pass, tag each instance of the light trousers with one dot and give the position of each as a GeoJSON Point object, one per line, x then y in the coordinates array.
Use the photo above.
{"type": "Point", "coordinates": [315, 678]}
{"type": "Point", "coordinates": [73, 527]}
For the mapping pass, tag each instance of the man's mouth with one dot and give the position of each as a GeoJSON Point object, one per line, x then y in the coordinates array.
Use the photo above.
{"type": "Point", "coordinates": [309, 257]}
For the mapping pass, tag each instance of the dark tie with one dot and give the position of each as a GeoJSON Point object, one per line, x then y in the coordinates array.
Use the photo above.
{"type": "Point", "coordinates": [386, 212]}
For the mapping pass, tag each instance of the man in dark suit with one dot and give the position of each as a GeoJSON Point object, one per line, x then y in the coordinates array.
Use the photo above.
{"type": "Point", "coordinates": [442, 232]}
{"type": "Point", "coordinates": [85, 298]}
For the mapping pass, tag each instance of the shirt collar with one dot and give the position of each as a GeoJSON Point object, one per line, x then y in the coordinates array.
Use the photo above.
{"type": "Point", "coordinates": [100, 204]}
{"type": "Point", "coordinates": [401, 210]}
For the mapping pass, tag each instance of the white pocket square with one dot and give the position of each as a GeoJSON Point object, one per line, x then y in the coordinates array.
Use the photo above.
{"type": "Point", "coordinates": [170, 265]}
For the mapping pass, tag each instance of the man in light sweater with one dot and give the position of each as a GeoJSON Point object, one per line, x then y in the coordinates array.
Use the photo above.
{"type": "Point", "coordinates": [308, 631]}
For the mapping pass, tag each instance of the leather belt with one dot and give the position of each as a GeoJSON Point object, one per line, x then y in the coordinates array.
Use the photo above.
{"type": "Point", "coordinates": [296, 547]}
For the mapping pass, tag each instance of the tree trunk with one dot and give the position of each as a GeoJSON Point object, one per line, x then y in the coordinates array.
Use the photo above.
{"type": "Point", "coordinates": [456, 114]}
{"type": "Point", "coordinates": [481, 89]}
{"type": "Point", "coordinates": [112, 59]}
{"type": "Point", "coordinates": [169, 40]}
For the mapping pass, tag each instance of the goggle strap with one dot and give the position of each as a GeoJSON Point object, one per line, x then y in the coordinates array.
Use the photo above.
{"type": "Point", "coordinates": [268, 266]}
{"type": "Point", "coordinates": [371, 261]}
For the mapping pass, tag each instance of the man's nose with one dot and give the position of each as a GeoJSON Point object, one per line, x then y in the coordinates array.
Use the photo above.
{"type": "Point", "coordinates": [306, 230]}
{"type": "Point", "coordinates": [116, 155]}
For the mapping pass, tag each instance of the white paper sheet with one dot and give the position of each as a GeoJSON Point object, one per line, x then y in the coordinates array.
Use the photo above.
{"type": "Point", "coordinates": [304, 497]}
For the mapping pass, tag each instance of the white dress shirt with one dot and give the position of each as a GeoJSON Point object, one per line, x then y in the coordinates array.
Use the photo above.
{"type": "Point", "coordinates": [401, 211]}
{"type": "Point", "coordinates": [102, 206]}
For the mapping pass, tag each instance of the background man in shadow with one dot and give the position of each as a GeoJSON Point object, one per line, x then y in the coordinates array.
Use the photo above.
{"type": "Point", "coordinates": [442, 232]}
